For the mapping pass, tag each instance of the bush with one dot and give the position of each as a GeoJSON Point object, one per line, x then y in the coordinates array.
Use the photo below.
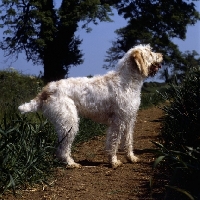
{"type": "Point", "coordinates": [17, 88]}
{"type": "Point", "coordinates": [180, 133]}
{"type": "Point", "coordinates": [181, 124]}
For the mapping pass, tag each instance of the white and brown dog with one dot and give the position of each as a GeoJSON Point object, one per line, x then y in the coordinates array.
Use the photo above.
{"type": "Point", "coordinates": [112, 99]}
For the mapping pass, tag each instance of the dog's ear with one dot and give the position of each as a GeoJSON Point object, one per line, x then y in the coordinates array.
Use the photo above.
{"type": "Point", "coordinates": [138, 58]}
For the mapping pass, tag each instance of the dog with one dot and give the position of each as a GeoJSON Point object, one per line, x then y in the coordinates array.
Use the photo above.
{"type": "Point", "coordinates": [112, 99]}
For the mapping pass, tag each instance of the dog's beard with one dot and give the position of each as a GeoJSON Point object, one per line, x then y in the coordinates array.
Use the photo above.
{"type": "Point", "coordinates": [154, 69]}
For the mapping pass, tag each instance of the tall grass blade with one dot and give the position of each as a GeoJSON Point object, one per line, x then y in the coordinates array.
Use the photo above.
{"type": "Point", "coordinates": [11, 183]}
{"type": "Point", "coordinates": [181, 191]}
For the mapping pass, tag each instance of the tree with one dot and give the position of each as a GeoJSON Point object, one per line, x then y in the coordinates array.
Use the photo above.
{"type": "Point", "coordinates": [46, 34]}
{"type": "Point", "coordinates": [181, 66]}
{"type": "Point", "coordinates": [154, 22]}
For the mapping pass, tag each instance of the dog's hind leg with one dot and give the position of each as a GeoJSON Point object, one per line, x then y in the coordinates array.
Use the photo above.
{"type": "Point", "coordinates": [64, 117]}
{"type": "Point", "coordinates": [66, 139]}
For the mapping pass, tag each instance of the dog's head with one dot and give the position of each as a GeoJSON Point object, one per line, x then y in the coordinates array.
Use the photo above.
{"type": "Point", "coordinates": [148, 62]}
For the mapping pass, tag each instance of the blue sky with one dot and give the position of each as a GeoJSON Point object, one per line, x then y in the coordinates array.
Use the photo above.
{"type": "Point", "coordinates": [95, 45]}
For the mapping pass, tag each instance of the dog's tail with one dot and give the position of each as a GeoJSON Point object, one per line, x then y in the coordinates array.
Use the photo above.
{"type": "Point", "coordinates": [37, 103]}
{"type": "Point", "coordinates": [32, 106]}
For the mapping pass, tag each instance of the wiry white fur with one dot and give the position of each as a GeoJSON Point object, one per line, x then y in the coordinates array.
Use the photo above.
{"type": "Point", "coordinates": [112, 99]}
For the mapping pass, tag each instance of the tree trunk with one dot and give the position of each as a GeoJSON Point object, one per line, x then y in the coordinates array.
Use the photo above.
{"type": "Point", "coordinates": [53, 72]}
{"type": "Point", "coordinates": [53, 67]}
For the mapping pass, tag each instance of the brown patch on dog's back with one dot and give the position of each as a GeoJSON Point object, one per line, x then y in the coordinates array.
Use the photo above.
{"type": "Point", "coordinates": [44, 95]}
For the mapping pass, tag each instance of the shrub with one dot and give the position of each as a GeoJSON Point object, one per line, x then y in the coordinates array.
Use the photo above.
{"type": "Point", "coordinates": [180, 133]}
{"type": "Point", "coordinates": [17, 88]}
{"type": "Point", "coordinates": [181, 124]}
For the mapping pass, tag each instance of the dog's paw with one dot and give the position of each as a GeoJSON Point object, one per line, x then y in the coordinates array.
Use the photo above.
{"type": "Point", "coordinates": [74, 165]}
{"type": "Point", "coordinates": [116, 164]}
{"type": "Point", "coordinates": [133, 159]}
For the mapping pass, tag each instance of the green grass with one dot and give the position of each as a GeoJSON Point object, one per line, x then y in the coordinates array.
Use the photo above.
{"type": "Point", "coordinates": [151, 94]}
{"type": "Point", "coordinates": [88, 130]}
{"type": "Point", "coordinates": [26, 151]}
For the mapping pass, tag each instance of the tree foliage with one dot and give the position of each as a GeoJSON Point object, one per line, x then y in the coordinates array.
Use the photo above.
{"type": "Point", "coordinates": [47, 34]}
{"type": "Point", "coordinates": [181, 65]}
{"type": "Point", "coordinates": [154, 22]}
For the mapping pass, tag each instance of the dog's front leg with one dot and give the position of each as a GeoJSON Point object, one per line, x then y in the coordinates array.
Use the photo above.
{"type": "Point", "coordinates": [112, 142]}
{"type": "Point", "coordinates": [128, 142]}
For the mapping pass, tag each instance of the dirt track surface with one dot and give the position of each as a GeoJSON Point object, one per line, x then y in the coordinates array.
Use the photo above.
{"type": "Point", "coordinates": [96, 180]}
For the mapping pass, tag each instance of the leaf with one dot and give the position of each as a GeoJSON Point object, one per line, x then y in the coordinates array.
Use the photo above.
{"type": "Point", "coordinates": [10, 130]}
{"type": "Point", "coordinates": [158, 144]}
{"type": "Point", "coordinates": [3, 133]}
{"type": "Point", "coordinates": [157, 161]}
{"type": "Point", "coordinates": [181, 191]}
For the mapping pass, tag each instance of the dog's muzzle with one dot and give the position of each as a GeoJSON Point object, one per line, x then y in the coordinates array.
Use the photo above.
{"type": "Point", "coordinates": [154, 69]}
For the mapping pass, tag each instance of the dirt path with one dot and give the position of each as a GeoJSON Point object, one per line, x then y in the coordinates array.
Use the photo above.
{"type": "Point", "coordinates": [95, 180]}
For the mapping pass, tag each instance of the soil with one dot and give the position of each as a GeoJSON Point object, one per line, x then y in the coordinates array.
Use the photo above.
{"type": "Point", "coordinates": [96, 180]}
